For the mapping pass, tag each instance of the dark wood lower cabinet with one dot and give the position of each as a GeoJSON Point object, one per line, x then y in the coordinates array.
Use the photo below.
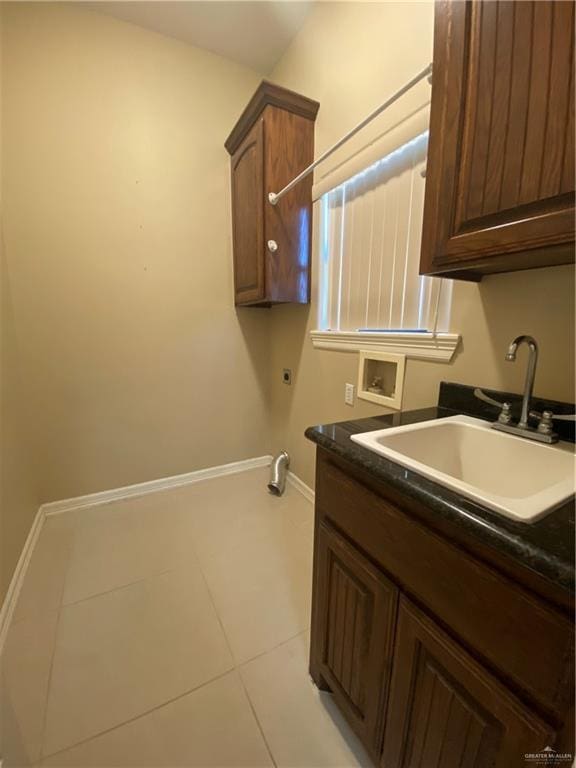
{"type": "Point", "coordinates": [436, 659]}
{"type": "Point", "coordinates": [357, 611]}
{"type": "Point", "coordinates": [447, 710]}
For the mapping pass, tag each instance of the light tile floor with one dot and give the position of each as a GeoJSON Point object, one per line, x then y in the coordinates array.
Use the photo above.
{"type": "Point", "coordinates": [171, 630]}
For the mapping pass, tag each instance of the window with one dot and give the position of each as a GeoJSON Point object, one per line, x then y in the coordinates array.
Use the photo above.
{"type": "Point", "coordinates": [370, 230]}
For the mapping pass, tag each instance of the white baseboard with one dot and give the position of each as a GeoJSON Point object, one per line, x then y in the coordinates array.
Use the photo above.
{"type": "Point", "coordinates": [105, 497]}
{"type": "Point", "coordinates": [152, 486]}
{"type": "Point", "coordinates": [9, 603]}
{"type": "Point", "coordinates": [301, 486]}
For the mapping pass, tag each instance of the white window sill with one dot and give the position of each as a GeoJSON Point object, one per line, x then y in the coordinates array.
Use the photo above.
{"type": "Point", "coordinates": [439, 347]}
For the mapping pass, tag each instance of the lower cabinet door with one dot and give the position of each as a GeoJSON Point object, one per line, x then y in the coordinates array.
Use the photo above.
{"type": "Point", "coordinates": [354, 616]}
{"type": "Point", "coordinates": [446, 710]}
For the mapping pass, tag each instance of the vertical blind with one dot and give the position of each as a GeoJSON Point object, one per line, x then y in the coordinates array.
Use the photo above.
{"type": "Point", "coordinates": [371, 229]}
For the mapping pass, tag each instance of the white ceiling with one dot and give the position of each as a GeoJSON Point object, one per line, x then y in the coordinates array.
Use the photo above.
{"type": "Point", "coordinates": [255, 34]}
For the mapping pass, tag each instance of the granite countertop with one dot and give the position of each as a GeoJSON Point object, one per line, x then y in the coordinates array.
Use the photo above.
{"type": "Point", "coordinates": [545, 547]}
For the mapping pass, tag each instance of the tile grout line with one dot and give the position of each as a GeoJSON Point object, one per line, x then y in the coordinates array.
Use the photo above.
{"type": "Point", "coordinates": [235, 668]}
{"type": "Point", "coordinates": [251, 703]}
{"type": "Point", "coordinates": [62, 605]}
{"type": "Point", "coordinates": [149, 577]}
{"type": "Point", "coordinates": [256, 718]}
{"type": "Point", "coordinates": [59, 609]}
{"type": "Point", "coordinates": [137, 717]}
{"type": "Point", "coordinates": [49, 686]}
{"type": "Point", "coordinates": [219, 620]}
{"type": "Point", "coordinates": [47, 515]}
{"type": "Point", "coordinates": [54, 646]}
{"type": "Point", "coordinates": [294, 524]}
{"type": "Point", "coordinates": [236, 665]}
{"type": "Point", "coordinates": [119, 587]}
{"type": "Point", "coordinates": [143, 714]}
{"type": "Point", "coordinates": [274, 648]}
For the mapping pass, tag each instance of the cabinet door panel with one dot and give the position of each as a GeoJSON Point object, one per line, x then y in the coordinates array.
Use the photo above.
{"type": "Point", "coordinates": [355, 613]}
{"type": "Point", "coordinates": [500, 180]}
{"type": "Point", "coordinates": [248, 216]}
{"type": "Point", "coordinates": [446, 710]}
{"type": "Point", "coordinates": [289, 148]}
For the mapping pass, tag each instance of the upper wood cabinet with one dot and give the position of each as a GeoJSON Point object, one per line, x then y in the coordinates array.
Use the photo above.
{"type": "Point", "coordinates": [270, 144]}
{"type": "Point", "coordinates": [500, 174]}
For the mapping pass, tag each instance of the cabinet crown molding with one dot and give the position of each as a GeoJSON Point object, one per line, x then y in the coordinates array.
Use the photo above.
{"type": "Point", "coordinates": [274, 95]}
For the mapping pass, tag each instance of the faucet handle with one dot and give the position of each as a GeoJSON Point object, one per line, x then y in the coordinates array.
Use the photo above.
{"type": "Point", "coordinates": [505, 416]}
{"type": "Point", "coordinates": [547, 417]}
{"type": "Point", "coordinates": [545, 425]}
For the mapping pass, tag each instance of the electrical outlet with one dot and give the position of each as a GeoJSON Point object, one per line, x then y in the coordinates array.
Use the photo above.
{"type": "Point", "coordinates": [349, 394]}
{"type": "Point", "coordinates": [287, 375]}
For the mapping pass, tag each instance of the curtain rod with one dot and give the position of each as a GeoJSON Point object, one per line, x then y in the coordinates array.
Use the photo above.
{"type": "Point", "coordinates": [273, 197]}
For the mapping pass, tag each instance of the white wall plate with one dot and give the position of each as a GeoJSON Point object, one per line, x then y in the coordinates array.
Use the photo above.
{"type": "Point", "coordinates": [381, 378]}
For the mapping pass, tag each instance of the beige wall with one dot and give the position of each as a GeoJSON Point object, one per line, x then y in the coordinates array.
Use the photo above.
{"type": "Point", "coordinates": [117, 231]}
{"type": "Point", "coordinates": [18, 486]}
{"type": "Point", "coordinates": [123, 358]}
{"type": "Point", "coordinates": [349, 56]}
{"type": "Point", "coordinates": [18, 497]}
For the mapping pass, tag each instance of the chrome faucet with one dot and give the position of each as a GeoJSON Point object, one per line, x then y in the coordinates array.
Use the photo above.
{"type": "Point", "coordinates": [530, 374]}
{"type": "Point", "coordinates": [543, 432]}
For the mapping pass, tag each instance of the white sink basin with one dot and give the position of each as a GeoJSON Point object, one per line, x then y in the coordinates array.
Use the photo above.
{"type": "Point", "coordinates": [518, 478]}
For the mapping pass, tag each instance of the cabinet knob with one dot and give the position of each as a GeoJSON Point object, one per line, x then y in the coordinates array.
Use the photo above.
{"type": "Point", "coordinates": [272, 246]}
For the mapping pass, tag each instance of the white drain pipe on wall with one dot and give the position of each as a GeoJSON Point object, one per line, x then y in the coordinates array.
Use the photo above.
{"type": "Point", "coordinates": [278, 470]}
